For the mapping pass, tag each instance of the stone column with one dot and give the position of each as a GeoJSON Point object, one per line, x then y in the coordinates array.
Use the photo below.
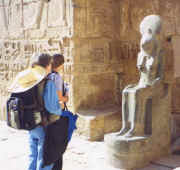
{"type": "Point", "coordinates": [96, 65]}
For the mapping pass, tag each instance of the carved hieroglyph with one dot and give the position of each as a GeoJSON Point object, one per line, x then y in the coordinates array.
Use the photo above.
{"type": "Point", "coordinates": [18, 15]}
{"type": "Point", "coordinates": [96, 18]}
{"type": "Point", "coordinates": [137, 98]}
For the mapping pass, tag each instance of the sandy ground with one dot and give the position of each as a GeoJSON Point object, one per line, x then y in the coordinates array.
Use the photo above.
{"type": "Point", "coordinates": [80, 154]}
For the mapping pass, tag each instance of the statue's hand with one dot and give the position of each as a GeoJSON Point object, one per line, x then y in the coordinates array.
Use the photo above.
{"type": "Point", "coordinates": [152, 84]}
{"type": "Point", "coordinates": [141, 68]}
{"type": "Point", "coordinates": [129, 86]}
{"type": "Point", "coordinates": [156, 81]}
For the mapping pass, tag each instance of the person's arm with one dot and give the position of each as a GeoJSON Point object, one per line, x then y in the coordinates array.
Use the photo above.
{"type": "Point", "coordinates": [59, 86]}
{"type": "Point", "coordinates": [51, 100]}
{"type": "Point", "coordinates": [61, 97]}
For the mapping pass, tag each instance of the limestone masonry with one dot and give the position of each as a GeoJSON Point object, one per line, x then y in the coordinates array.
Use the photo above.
{"type": "Point", "coordinates": [100, 42]}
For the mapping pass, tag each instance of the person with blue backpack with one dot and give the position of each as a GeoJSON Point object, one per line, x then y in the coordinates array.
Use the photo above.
{"type": "Point", "coordinates": [23, 84]}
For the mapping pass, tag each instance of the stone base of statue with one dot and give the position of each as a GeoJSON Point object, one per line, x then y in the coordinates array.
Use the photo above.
{"type": "Point", "coordinates": [93, 124]}
{"type": "Point", "coordinates": [127, 153]}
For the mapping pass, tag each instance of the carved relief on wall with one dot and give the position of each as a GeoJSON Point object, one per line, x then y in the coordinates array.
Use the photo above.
{"type": "Point", "coordinates": [11, 16]}
{"type": "Point", "coordinates": [139, 9]}
{"type": "Point", "coordinates": [17, 15]}
{"type": "Point", "coordinates": [4, 8]}
{"type": "Point", "coordinates": [174, 60]}
{"type": "Point", "coordinates": [169, 15]}
{"type": "Point", "coordinates": [132, 12]}
{"type": "Point", "coordinates": [176, 96]}
{"type": "Point", "coordinates": [101, 18]}
{"type": "Point", "coordinates": [102, 51]}
{"type": "Point", "coordinates": [128, 51]}
{"type": "Point", "coordinates": [95, 18]}
{"type": "Point", "coordinates": [96, 91]}
{"type": "Point", "coordinates": [31, 8]}
{"type": "Point", "coordinates": [176, 16]}
{"type": "Point", "coordinates": [92, 51]}
{"type": "Point", "coordinates": [57, 13]}
{"type": "Point", "coordinates": [11, 63]}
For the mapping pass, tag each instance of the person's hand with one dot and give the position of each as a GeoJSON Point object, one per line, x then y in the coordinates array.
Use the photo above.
{"type": "Point", "coordinates": [67, 98]}
{"type": "Point", "coordinates": [66, 88]}
{"type": "Point", "coordinates": [62, 104]}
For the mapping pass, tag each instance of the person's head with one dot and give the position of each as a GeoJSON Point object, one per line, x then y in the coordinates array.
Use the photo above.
{"type": "Point", "coordinates": [40, 67]}
{"type": "Point", "coordinates": [43, 60]}
{"type": "Point", "coordinates": [58, 61]}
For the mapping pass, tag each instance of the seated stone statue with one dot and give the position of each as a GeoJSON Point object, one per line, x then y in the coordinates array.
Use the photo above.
{"type": "Point", "coordinates": [150, 66]}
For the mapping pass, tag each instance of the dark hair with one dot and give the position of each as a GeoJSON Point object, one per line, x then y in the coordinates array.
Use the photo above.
{"type": "Point", "coordinates": [58, 59]}
{"type": "Point", "coordinates": [42, 60]}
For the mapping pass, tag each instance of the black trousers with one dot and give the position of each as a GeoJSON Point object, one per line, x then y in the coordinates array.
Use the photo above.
{"type": "Point", "coordinates": [55, 144]}
{"type": "Point", "coordinates": [58, 164]}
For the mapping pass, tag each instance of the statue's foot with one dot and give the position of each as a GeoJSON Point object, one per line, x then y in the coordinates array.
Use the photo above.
{"type": "Point", "coordinates": [130, 133]}
{"type": "Point", "coordinates": [121, 132]}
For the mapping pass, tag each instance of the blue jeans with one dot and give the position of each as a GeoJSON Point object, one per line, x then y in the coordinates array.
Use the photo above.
{"type": "Point", "coordinates": [36, 141]}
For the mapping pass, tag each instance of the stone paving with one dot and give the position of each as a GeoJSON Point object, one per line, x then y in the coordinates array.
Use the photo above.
{"type": "Point", "coordinates": [80, 154]}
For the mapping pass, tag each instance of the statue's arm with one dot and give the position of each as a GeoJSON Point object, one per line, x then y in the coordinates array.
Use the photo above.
{"type": "Point", "coordinates": [129, 86]}
{"type": "Point", "coordinates": [156, 81]}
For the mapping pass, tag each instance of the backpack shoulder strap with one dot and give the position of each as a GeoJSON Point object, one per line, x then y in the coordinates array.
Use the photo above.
{"type": "Point", "coordinates": [40, 89]}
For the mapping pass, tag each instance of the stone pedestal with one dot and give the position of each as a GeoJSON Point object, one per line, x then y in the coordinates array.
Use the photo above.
{"type": "Point", "coordinates": [92, 124]}
{"type": "Point", "coordinates": [127, 153]}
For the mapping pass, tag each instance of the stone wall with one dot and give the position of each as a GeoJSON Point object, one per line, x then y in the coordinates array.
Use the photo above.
{"type": "Point", "coordinates": [86, 32]}
{"type": "Point", "coordinates": [97, 60]}
{"type": "Point", "coordinates": [31, 26]}
{"type": "Point", "coordinates": [99, 39]}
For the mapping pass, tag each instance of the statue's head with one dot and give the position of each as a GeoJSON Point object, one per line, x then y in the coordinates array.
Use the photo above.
{"type": "Point", "coordinates": [151, 24]}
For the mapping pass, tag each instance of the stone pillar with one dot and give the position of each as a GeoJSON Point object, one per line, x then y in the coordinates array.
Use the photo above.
{"type": "Point", "coordinates": [96, 65]}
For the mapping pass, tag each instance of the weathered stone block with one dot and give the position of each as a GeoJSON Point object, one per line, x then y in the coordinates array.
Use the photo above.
{"type": "Point", "coordinates": [175, 127]}
{"type": "Point", "coordinates": [94, 91]}
{"type": "Point", "coordinates": [112, 122]}
{"type": "Point", "coordinates": [95, 19]}
{"type": "Point", "coordinates": [57, 13]}
{"type": "Point", "coordinates": [126, 153]}
{"type": "Point", "coordinates": [35, 34]}
{"type": "Point", "coordinates": [93, 124]}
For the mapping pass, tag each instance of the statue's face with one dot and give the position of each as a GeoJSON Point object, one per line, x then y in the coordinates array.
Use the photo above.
{"type": "Point", "coordinates": [147, 42]}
